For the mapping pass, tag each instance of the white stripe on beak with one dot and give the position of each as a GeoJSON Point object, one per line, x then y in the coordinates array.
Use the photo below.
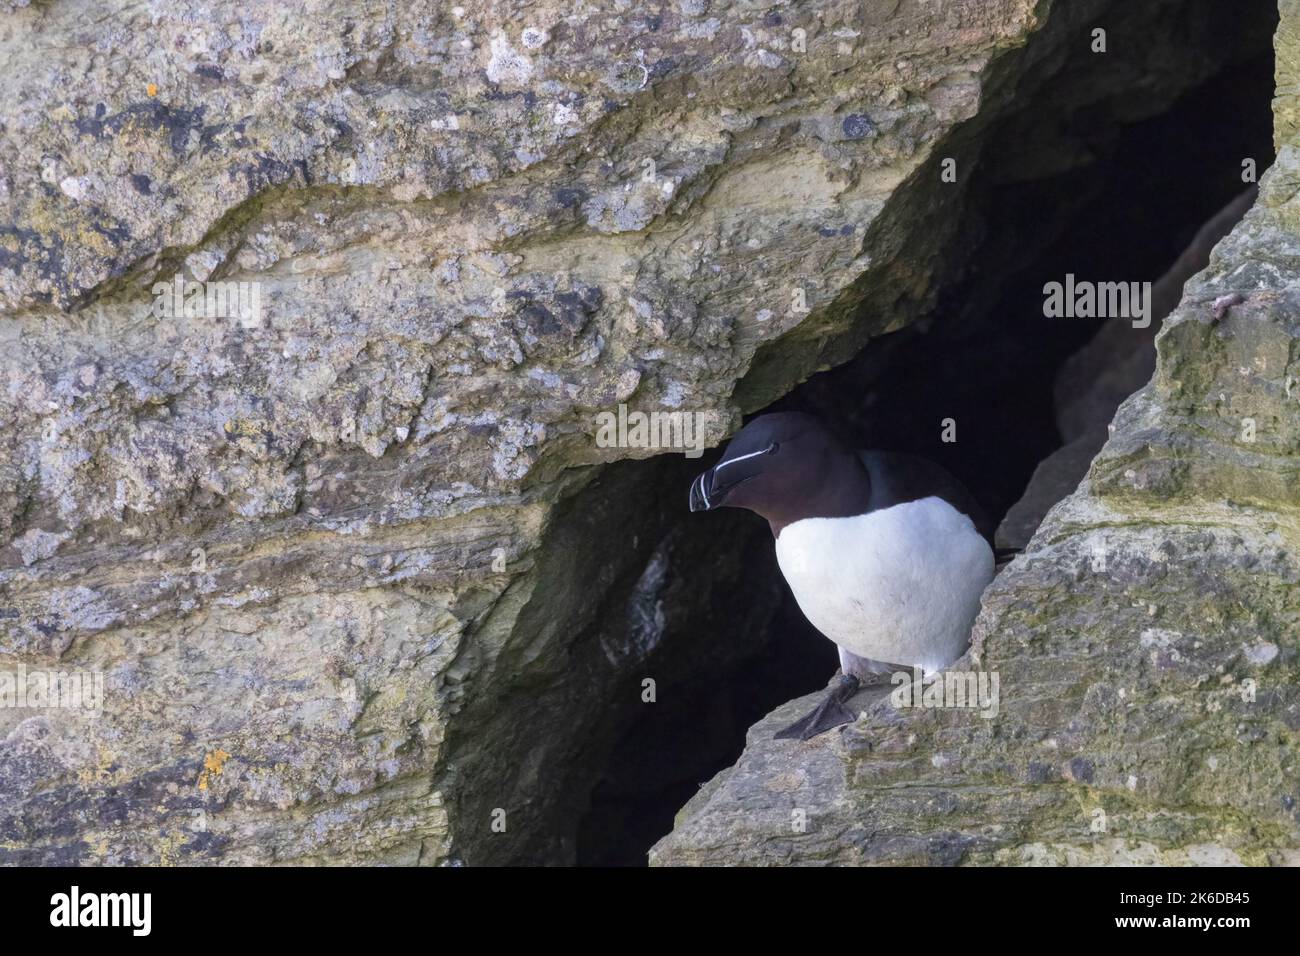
{"type": "Point", "coordinates": [753, 454]}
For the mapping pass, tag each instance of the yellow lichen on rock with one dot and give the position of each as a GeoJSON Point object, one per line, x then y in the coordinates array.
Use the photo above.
{"type": "Point", "coordinates": [212, 764]}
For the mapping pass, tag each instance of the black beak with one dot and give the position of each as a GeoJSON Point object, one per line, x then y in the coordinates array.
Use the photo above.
{"type": "Point", "coordinates": [701, 489]}
{"type": "Point", "coordinates": [707, 494]}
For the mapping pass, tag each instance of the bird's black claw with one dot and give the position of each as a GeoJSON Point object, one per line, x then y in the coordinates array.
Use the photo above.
{"type": "Point", "coordinates": [829, 714]}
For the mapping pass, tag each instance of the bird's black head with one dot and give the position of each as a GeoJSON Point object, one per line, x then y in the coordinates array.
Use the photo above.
{"type": "Point", "coordinates": [784, 466]}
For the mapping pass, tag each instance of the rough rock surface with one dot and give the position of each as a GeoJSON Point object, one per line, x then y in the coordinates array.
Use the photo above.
{"type": "Point", "coordinates": [1146, 642]}
{"type": "Point", "coordinates": [322, 555]}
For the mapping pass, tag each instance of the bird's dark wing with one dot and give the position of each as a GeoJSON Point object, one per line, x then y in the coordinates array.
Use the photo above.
{"type": "Point", "coordinates": [897, 478]}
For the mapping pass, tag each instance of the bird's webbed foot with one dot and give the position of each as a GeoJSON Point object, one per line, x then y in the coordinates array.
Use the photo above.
{"type": "Point", "coordinates": [830, 713]}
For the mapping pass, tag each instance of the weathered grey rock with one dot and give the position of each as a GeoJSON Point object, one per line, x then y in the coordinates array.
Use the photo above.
{"type": "Point", "coordinates": [357, 577]}
{"type": "Point", "coordinates": [325, 558]}
{"type": "Point", "coordinates": [1146, 642]}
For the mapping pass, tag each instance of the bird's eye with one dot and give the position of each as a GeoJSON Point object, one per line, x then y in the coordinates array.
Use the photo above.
{"type": "Point", "coordinates": [772, 448]}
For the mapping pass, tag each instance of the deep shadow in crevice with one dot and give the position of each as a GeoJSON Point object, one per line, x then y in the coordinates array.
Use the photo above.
{"type": "Point", "coordinates": [1124, 199]}
{"type": "Point", "coordinates": [991, 367]}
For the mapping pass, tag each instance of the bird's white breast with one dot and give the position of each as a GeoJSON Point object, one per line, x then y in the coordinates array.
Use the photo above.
{"type": "Point", "coordinates": [901, 584]}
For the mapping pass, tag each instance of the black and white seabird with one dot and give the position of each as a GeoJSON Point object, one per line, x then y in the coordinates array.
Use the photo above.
{"type": "Point", "coordinates": [885, 552]}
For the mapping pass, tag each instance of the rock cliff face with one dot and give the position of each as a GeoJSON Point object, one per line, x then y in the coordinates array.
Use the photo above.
{"type": "Point", "coordinates": [357, 577]}
{"type": "Point", "coordinates": [313, 549]}
{"type": "Point", "coordinates": [1145, 643]}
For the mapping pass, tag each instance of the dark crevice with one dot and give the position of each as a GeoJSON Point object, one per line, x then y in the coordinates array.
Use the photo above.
{"type": "Point", "coordinates": [1106, 183]}
{"type": "Point", "coordinates": [989, 362]}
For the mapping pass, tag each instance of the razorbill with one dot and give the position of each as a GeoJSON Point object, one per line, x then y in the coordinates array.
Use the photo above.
{"type": "Point", "coordinates": [886, 553]}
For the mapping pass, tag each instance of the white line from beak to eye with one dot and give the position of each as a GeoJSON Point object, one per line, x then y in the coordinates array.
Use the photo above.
{"type": "Point", "coordinates": [752, 454]}
{"type": "Point", "coordinates": [707, 506]}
